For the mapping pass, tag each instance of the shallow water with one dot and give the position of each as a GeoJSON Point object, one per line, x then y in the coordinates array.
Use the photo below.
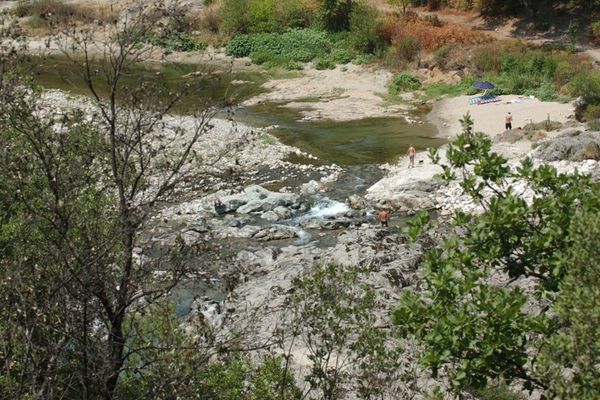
{"type": "Point", "coordinates": [208, 84]}
{"type": "Point", "coordinates": [360, 142]}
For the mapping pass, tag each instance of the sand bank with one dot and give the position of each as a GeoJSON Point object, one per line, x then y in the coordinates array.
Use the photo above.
{"type": "Point", "coordinates": [489, 118]}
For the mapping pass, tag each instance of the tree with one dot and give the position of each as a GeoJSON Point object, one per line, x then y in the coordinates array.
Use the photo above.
{"type": "Point", "coordinates": [476, 318]}
{"type": "Point", "coordinates": [403, 4]}
{"type": "Point", "coordinates": [335, 14]}
{"type": "Point", "coordinates": [334, 320]}
{"type": "Point", "coordinates": [77, 195]}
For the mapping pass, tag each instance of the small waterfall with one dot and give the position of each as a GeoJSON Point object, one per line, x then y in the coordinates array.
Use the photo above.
{"type": "Point", "coordinates": [326, 207]}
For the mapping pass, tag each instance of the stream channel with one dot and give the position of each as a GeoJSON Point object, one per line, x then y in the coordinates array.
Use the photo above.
{"type": "Point", "coordinates": [358, 146]}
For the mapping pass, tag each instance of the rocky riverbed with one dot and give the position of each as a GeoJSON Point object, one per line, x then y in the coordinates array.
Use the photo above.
{"type": "Point", "coordinates": [262, 218]}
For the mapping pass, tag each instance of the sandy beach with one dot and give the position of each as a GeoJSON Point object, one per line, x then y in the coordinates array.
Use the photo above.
{"type": "Point", "coordinates": [489, 118]}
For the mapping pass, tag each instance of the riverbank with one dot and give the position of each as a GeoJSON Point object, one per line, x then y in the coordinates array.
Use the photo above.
{"type": "Point", "coordinates": [489, 118]}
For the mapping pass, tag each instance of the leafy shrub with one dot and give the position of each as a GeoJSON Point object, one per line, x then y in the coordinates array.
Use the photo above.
{"type": "Point", "coordinates": [294, 65]}
{"type": "Point", "coordinates": [265, 16]}
{"type": "Point", "coordinates": [334, 15]}
{"type": "Point", "coordinates": [180, 41]}
{"type": "Point", "coordinates": [592, 112]}
{"type": "Point", "coordinates": [361, 59]}
{"type": "Point", "coordinates": [340, 56]}
{"type": "Point", "coordinates": [501, 392]}
{"type": "Point", "coordinates": [261, 56]}
{"type": "Point", "coordinates": [594, 125]}
{"type": "Point", "coordinates": [487, 60]}
{"type": "Point", "coordinates": [595, 32]}
{"type": "Point", "coordinates": [365, 29]}
{"type": "Point", "coordinates": [403, 82]}
{"type": "Point", "coordinates": [542, 25]}
{"type": "Point", "coordinates": [545, 92]}
{"type": "Point", "coordinates": [324, 63]}
{"type": "Point", "coordinates": [295, 45]}
{"type": "Point", "coordinates": [586, 86]}
{"type": "Point", "coordinates": [234, 16]}
{"type": "Point", "coordinates": [442, 54]}
{"type": "Point", "coordinates": [408, 48]}
{"type": "Point", "coordinates": [241, 46]}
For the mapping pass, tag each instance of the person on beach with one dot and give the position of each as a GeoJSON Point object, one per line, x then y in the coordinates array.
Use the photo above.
{"type": "Point", "coordinates": [383, 218]}
{"type": "Point", "coordinates": [508, 121]}
{"type": "Point", "coordinates": [411, 156]}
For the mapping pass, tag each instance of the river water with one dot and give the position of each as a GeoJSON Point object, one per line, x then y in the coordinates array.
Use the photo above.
{"type": "Point", "coordinates": [358, 147]}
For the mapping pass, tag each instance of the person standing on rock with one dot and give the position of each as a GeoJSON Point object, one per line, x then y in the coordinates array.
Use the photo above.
{"type": "Point", "coordinates": [411, 156]}
{"type": "Point", "coordinates": [508, 121]}
{"type": "Point", "coordinates": [383, 218]}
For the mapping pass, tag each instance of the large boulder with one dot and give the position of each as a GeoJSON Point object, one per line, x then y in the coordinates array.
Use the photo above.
{"type": "Point", "coordinates": [572, 145]}
{"type": "Point", "coordinates": [254, 199]}
{"type": "Point", "coordinates": [275, 232]}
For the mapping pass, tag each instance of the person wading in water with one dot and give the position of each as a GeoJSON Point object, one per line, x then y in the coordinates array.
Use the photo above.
{"type": "Point", "coordinates": [383, 218]}
{"type": "Point", "coordinates": [411, 156]}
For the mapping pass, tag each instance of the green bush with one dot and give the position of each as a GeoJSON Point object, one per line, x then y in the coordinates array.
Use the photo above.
{"type": "Point", "coordinates": [341, 56]}
{"type": "Point", "coordinates": [299, 45]}
{"type": "Point", "coordinates": [334, 15]}
{"type": "Point", "coordinates": [324, 63]}
{"type": "Point", "coordinates": [180, 41]}
{"type": "Point", "coordinates": [265, 16]}
{"type": "Point", "coordinates": [242, 46]}
{"type": "Point", "coordinates": [365, 29]}
{"type": "Point", "coordinates": [595, 31]}
{"type": "Point", "coordinates": [487, 60]}
{"type": "Point", "coordinates": [403, 81]}
{"type": "Point", "coordinates": [442, 54]}
{"type": "Point", "coordinates": [586, 86]}
{"type": "Point", "coordinates": [592, 112]}
{"type": "Point", "coordinates": [408, 48]}
{"type": "Point", "coordinates": [361, 59]}
{"type": "Point", "coordinates": [594, 125]}
{"type": "Point", "coordinates": [234, 18]}
{"type": "Point", "coordinates": [261, 56]}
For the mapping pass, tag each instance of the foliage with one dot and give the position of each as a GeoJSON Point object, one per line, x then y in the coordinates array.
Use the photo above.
{"type": "Point", "coordinates": [265, 16]}
{"type": "Point", "coordinates": [403, 82]}
{"type": "Point", "coordinates": [402, 4]}
{"type": "Point", "coordinates": [324, 63]}
{"type": "Point", "coordinates": [336, 323]}
{"type": "Point", "coordinates": [233, 16]}
{"type": "Point", "coordinates": [340, 55]}
{"type": "Point", "coordinates": [57, 13]}
{"type": "Point", "coordinates": [180, 41]}
{"type": "Point", "coordinates": [407, 48]}
{"type": "Point", "coordinates": [237, 377]}
{"type": "Point", "coordinates": [470, 316]}
{"type": "Point", "coordinates": [442, 54]}
{"type": "Point", "coordinates": [76, 195]}
{"type": "Point", "coordinates": [497, 392]}
{"type": "Point", "coordinates": [586, 86]}
{"type": "Point", "coordinates": [365, 29]}
{"type": "Point", "coordinates": [430, 35]}
{"type": "Point", "coordinates": [595, 31]}
{"type": "Point", "coordinates": [546, 125]}
{"type": "Point", "coordinates": [569, 360]}
{"type": "Point", "coordinates": [335, 14]}
{"type": "Point", "coordinates": [298, 45]}
{"type": "Point", "coordinates": [290, 48]}
{"type": "Point", "coordinates": [518, 69]}
{"type": "Point", "coordinates": [437, 90]}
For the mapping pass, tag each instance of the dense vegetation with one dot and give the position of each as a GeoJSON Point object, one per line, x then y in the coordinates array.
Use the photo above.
{"type": "Point", "coordinates": [508, 300]}
{"type": "Point", "coordinates": [502, 299]}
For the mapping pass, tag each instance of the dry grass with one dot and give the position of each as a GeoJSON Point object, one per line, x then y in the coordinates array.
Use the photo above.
{"type": "Point", "coordinates": [43, 16]}
{"type": "Point", "coordinates": [432, 34]}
